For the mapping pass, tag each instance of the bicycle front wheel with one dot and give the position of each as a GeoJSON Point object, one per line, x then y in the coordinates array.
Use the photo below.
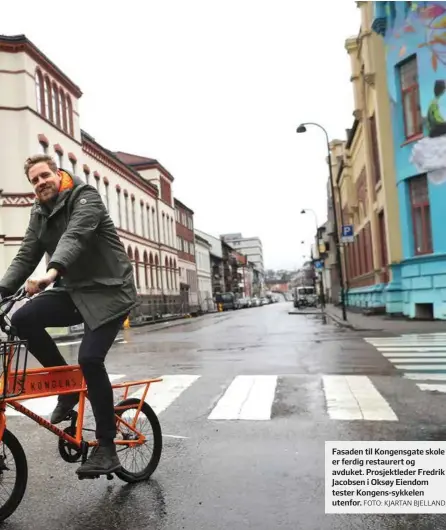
{"type": "Point", "coordinates": [140, 461]}
{"type": "Point", "coordinates": [13, 474]}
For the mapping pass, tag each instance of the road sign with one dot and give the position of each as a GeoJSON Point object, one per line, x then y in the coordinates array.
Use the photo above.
{"type": "Point", "coordinates": [347, 234]}
{"type": "Point", "coordinates": [319, 264]}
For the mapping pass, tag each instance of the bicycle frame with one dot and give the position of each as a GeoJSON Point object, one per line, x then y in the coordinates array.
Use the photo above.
{"type": "Point", "coordinates": [58, 380]}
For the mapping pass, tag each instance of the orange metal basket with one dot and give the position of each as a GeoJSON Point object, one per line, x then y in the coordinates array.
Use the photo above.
{"type": "Point", "coordinates": [13, 360]}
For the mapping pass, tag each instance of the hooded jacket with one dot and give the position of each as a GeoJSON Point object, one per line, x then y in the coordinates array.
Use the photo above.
{"type": "Point", "coordinates": [84, 246]}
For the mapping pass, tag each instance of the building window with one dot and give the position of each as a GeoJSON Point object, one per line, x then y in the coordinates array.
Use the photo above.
{"type": "Point", "coordinates": [410, 97]}
{"type": "Point", "coordinates": [73, 166]}
{"type": "Point", "coordinates": [149, 233]}
{"type": "Point", "coordinates": [40, 100]}
{"type": "Point", "coordinates": [106, 195]}
{"type": "Point", "coordinates": [133, 214]}
{"type": "Point", "coordinates": [375, 150]}
{"type": "Point", "coordinates": [126, 205]}
{"type": "Point", "coordinates": [56, 108]}
{"type": "Point", "coordinates": [118, 193]}
{"type": "Point", "coordinates": [421, 217]}
{"type": "Point", "coordinates": [143, 224]}
{"type": "Point", "coordinates": [70, 115]}
{"type": "Point", "coordinates": [48, 102]}
{"type": "Point", "coordinates": [154, 226]}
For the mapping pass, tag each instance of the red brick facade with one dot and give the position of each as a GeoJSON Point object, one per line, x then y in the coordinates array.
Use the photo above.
{"type": "Point", "coordinates": [184, 217]}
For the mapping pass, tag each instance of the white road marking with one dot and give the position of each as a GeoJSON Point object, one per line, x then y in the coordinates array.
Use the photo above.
{"type": "Point", "coordinates": [432, 387]}
{"type": "Point", "coordinates": [418, 355]}
{"type": "Point", "coordinates": [45, 406]}
{"type": "Point", "coordinates": [355, 398]}
{"type": "Point", "coordinates": [68, 343]}
{"type": "Point", "coordinates": [422, 367]}
{"type": "Point", "coordinates": [436, 349]}
{"type": "Point", "coordinates": [417, 359]}
{"type": "Point", "coordinates": [175, 436]}
{"type": "Point", "coordinates": [248, 397]}
{"type": "Point", "coordinates": [426, 376]}
{"type": "Point", "coordinates": [164, 393]}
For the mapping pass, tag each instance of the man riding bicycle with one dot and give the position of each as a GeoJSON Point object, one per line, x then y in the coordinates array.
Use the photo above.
{"type": "Point", "coordinates": [93, 284]}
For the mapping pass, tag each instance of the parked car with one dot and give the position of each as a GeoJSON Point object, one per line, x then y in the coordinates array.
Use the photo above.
{"type": "Point", "coordinates": [227, 301]}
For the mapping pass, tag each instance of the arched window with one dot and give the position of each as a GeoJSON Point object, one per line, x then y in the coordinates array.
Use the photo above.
{"type": "Point", "coordinates": [157, 270]}
{"type": "Point", "coordinates": [154, 225]}
{"type": "Point", "coordinates": [138, 283]}
{"type": "Point", "coordinates": [163, 229]}
{"type": "Point", "coordinates": [152, 283]}
{"type": "Point", "coordinates": [56, 105]}
{"type": "Point", "coordinates": [171, 273]}
{"type": "Point", "coordinates": [146, 264]}
{"type": "Point", "coordinates": [175, 273]}
{"type": "Point", "coordinates": [62, 110]}
{"type": "Point", "coordinates": [48, 100]}
{"type": "Point", "coordinates": [40, 99]}
{"type": "Point", "coordinates": [70, 115]}
{"type": "Point", "coordinates": [166, 266]}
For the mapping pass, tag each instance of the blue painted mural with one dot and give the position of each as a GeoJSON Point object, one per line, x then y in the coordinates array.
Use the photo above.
{"type": "Point", "coordinates": [415, 43]}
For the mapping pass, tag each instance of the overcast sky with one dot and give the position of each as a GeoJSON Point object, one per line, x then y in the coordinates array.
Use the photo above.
{"type": "Point", "coordinates": [214, 91]}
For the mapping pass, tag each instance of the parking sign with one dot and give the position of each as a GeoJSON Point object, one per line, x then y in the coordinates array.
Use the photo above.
{"type": "Point", "coordinates": [347, 234]}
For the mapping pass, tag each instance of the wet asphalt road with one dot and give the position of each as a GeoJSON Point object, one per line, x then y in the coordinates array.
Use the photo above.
{"type": "Point", "coordinates": [223, 474]}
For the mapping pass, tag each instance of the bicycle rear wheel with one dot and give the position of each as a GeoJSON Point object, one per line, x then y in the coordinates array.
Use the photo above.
{"type": "Point", "coordinates": [130, 457]}
{"type": "Point", "coordinates": [12, 458]}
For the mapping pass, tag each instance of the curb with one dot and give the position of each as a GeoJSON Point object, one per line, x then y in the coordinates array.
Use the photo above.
{"type": "Point", "coordinates": [306, 313]}
{"type": "Point", "coordinates": [340, 322]}
{"type": "Point", "coordinates": [173, 322]}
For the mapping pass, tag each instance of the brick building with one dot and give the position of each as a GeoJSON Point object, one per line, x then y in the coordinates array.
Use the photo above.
{"type": "Point", "coordinates": [185, 243]}
{"type": "Point", "coordinates": [39, 112]}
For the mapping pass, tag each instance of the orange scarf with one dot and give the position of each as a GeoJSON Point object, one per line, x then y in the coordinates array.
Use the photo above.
{"type": "Point", "coordinates": [66, 182]}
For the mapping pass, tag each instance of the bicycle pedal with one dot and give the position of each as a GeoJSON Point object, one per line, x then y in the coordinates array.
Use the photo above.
{"type": "Point", "coordinates": [83, 477]}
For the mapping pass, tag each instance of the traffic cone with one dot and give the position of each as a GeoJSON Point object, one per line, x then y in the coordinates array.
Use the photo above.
{"type": "Point", "coordinates": [127, 323]}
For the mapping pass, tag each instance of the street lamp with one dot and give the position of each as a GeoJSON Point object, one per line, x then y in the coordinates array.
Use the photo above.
{"type": "Point", "coordinates": [302, 129]}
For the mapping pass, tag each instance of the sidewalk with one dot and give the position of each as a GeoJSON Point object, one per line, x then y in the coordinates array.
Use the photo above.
{"type": "Point", "coordinates": [61, 334]}
{"type": "Point", "coordinates": [399, 325]}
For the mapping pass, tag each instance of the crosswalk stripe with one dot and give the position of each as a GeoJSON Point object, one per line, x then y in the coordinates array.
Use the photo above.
{"type": "Point", "coordinates": [416, 355]}
{"type": "Point", "coordinates": [45, 406]}
{"type": "Point", "coordinates": [436, 349]}
{"type": "Point", "coordinates": [411, 360]}
{"type": "Point", "coordinates": [251, 398]}
{"type": "Point", "coordinates": [432, 387]}
{"type": "Point", "coordinates": [426, 376]}
{"type": "Point", "coordinates": [164, 393]}
{"type": "Point", "coordinates": [248, 397]}
{"type": "Point", "coordinates": [422, 367]}
{"type": "Point", "coordinates": [421, 357]}
{"type": "Point", "coordinates": [355, 398]}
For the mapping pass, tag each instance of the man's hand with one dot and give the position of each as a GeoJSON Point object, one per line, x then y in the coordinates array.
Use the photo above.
{"type": "Point", "coordinates": [34, 286]}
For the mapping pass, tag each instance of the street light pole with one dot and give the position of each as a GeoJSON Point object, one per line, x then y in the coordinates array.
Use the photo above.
{"type": "Point", "coordinates": [301, 129]}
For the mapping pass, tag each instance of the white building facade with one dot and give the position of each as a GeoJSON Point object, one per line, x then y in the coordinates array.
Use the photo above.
{"type": "Point", "coordinates": [39, 113]}
{"type": "Point", "coordinates": [251, 247]}
{"type": "Point", "coordinates": [203, 260]}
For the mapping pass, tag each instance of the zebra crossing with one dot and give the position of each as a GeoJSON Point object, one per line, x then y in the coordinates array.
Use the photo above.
{"type": "Point", "coordinates": [251, 397]}
{"type": "Point", "coordinates": [420, 357]}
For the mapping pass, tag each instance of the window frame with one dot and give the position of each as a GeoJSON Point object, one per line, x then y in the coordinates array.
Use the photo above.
{"type": "Point", "coordinates": [426, 244]}
{"type": "Point", "coordinates": [411, 92]}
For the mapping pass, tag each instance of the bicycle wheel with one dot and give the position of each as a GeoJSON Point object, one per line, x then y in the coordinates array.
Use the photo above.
{"type": "Point", "coordinates": [12, 457]}
{"type": "Point", "coordinates": [136, 455]}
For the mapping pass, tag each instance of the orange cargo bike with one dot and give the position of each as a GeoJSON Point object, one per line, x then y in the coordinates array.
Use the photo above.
{"type": "Point", "coordinates": [17, 384]}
